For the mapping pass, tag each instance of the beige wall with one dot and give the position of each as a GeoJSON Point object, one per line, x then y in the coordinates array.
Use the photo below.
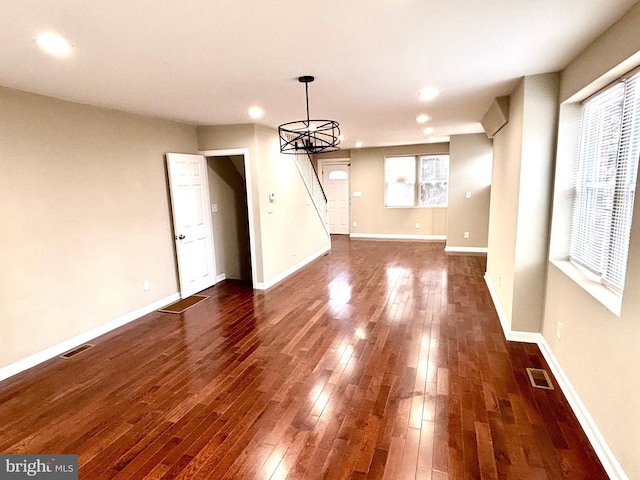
{"type": "Point", "coordinates": [598, 350]}
{"type": "Point", "coordinates": [85, 215]}
{"type": "Point", "coordinates": [293, 231]}
{"type": "Point", "coordinates": [503, 210]}
{"type": "Point", "coordinates": [227, 191]}
{"type": "Point", "coordinates": [372, 217]}
{"type": "Point", "coordinates": [521, 201]}
{"type": "Point", "coordinates": [469, 171]}
{"type": "Point", "coordinates": [540, 124]}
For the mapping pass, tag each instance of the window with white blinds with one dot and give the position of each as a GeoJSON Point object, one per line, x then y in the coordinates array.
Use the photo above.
{"type": "Point", "coordinates": [431, 189]}
{"type": "Point", "coordinates": [606, 182]}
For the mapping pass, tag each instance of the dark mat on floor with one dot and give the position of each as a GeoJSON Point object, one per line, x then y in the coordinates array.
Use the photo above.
{"type": "Point", "coordinates": [184, 304]}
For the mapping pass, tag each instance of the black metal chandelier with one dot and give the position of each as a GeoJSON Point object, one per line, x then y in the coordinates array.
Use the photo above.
{"type": "Point", "coordinates": [309, 136]}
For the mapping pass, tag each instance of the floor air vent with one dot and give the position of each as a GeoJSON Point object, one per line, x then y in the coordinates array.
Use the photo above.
{"type": "Point", "coordinates": [539, 378]}
{"type": "Point", "coordinates": [77, 350]}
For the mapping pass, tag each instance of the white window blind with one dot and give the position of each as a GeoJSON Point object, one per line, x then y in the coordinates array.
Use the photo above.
{"type": "Point", "coordinates": [605, 182]}
{"type": "Point", "coordinates": [434, 181]}
{"type": "Point", "coordinates": [432, 174]}
{"type": "Point", "coordinates": [400, 179]}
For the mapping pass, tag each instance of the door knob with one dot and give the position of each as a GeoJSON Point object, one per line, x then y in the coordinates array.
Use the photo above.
{"type": "Point", "coordinates": [181, 237]}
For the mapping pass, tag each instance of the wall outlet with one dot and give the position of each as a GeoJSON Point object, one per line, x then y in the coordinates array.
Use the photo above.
{"type": "Point", "coordinates": [146, 286]}
{"type": "Point", "coordinates": [467, 195]}
{"type": "Point", "coordinates": [559, 330]}
{"type": "Point", "coordinates": [355, 224]}
{"type": "Point", "coordinates": [466, 234]}
{"type": "Point", "coordinates": [417, 225]}
{"type": "Point", "coordinates": [214, 207]}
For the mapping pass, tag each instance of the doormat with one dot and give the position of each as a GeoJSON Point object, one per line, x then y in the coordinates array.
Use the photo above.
{"type": "Point", "coordinates": [184, 304]}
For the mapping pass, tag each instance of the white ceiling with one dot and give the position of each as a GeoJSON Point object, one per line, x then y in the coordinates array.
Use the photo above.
{"type": "Point", "coordinates": [206, 62]}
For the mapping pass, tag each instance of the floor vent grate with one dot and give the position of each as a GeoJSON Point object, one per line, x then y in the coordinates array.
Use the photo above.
{"type": "Point", "coordinates": [77, 350]}
{"type": "Point", "coordinates": [539, 378]}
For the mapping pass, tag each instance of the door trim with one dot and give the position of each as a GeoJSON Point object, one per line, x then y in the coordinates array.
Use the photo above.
{"type": "Point", "coordinates": [247, 175]}
{"type": "Point", "coordinates": [337, 161]}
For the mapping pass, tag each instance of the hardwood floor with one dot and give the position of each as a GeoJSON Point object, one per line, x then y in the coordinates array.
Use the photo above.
{"type": "Point", "coordinates": [378, 360]}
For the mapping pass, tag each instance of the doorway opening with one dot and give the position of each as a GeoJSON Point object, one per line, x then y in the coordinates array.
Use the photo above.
{"type": "Point", "coordinates": [231, 213]}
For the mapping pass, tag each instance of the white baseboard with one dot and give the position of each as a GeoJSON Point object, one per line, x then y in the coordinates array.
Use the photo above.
{"type": "Point", "coordinates": [599, 444]}
{"type": "Point", "coordinates": [278, 278]}
{"type": "Point", "coordinates": [394, 236]}
{"type": "Point", "coordinates": [452, 249]}
{"type": "Point", "coordinates": [221, 277]}
{"type": "Point", "coordinates": [54, 351]}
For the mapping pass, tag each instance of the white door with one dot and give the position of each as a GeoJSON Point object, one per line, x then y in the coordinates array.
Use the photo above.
{"type": "Point", "coordinates": [189, 188]}
{"type": "Point", "coordinates": [335, 181]}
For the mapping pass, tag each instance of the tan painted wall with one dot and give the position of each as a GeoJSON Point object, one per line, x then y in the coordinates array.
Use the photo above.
{"type": "Point", "coordinates": [503, 212]}
{"type": "Point", "coordinates": [598, 351]}
{"type": "Point", "coordinates": [470, 169]}
{"type": "Point", "coordinates": [293, 225]}
{"type": "Point", "coordinates": [372, 217]}
{"type": "Point", "coordinates": [85, 215]}
{"type": "Point", "coordinates": [241, 136]}
{"type": "Point", "coordinates": [540, 123]}
{"type": "Point", "coordinates": [524, 152]}
{"type": "Point", "coordinates": [227, 190]}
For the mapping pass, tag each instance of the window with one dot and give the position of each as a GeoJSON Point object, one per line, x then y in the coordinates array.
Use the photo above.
{"type": "Point", "coordinates": [431, 189]}
{"type": "Point", "coordinates": [434, 181]}
{"type": "Point", "coordinates": [605, 182]}
{"type": "Point", "coordinates": [338, 175]}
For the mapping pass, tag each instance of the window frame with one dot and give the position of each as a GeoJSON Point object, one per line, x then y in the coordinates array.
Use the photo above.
{"type": "Point", "coordinates": [417, 181]}
{"type": "Point", "coordinates": [599, 242]}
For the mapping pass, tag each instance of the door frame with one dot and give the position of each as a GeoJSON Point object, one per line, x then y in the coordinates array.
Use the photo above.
{"type": "Point", "coordinates": [247, 175]}
{"type": "Point", "coordinates": [337, 161]}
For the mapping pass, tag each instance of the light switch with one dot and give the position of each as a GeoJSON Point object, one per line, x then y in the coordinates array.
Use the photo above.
{"type": "Point", "coordinates": [467, 195]}
{"type": "Point", "coordinates": [357, 194]}
{"type": "Point", "coordinates": [214, 207]}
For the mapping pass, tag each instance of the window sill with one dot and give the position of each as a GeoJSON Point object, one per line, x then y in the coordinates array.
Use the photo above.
{"type": "Point", "coordinates": [593, 287]}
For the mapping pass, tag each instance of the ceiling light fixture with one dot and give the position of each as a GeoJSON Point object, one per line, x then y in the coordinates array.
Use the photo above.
{"type": "Point", "coordinates": [54, 44]}
{"type": "Point", "coordinates": [310, 136]}
{"type": "Point", "coordinates": [428, 131]}
{"type": "Point", "coordinates": [256, 112]}
{"type": "Point", "coordinates": [422, 118]}
{"type": "Point", "coordinates": [358, 144]}
{"type": "Point", "coordinates": [428, 93]}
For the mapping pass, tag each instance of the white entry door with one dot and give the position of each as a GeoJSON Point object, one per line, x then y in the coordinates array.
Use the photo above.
{"type": "Point", "coordinates": [335, 181]}
{"type": "Point", "coordinates": [189, 188]}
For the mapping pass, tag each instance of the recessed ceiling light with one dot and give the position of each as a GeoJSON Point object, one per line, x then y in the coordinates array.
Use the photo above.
{"type": "Point", "coordinates": [422, 118]}
{"type": "Point", "coordinates": [358, 144]}
{"type": "Point", "coordinates": [341, 138]}
{"type": "Point", "coordinates": [256, 112]}
{"type": "Point", "coordinates": [428, 131]}
{"type": "Point", "coordinates": [428, 93]}
{"type": "Point", "coordinates": [54, 44]}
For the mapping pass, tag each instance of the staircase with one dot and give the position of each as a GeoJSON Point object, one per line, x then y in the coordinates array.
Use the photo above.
{"type": "Point", "coordinates": [312, 182]}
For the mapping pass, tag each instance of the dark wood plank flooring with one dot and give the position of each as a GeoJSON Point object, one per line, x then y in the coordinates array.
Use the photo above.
{"type": "Point", "coordinates": [378, 360]}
